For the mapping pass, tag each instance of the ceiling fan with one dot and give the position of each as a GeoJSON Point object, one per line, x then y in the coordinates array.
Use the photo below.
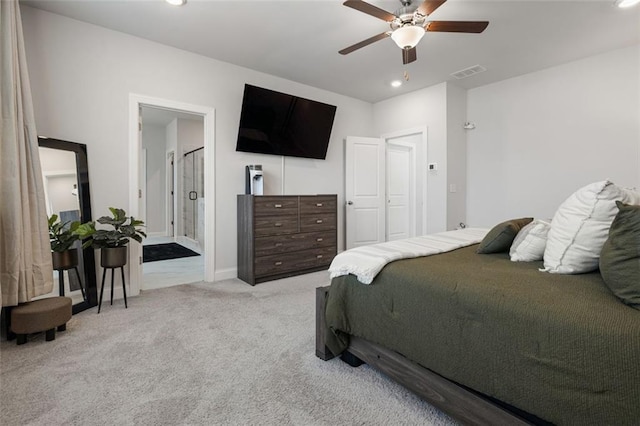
{"type": "Point", "coordinates": [408, 25]}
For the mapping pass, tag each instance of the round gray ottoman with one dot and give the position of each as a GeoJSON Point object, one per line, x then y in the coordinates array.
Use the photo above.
{"type": "Point", "coordinates": [40, 315]}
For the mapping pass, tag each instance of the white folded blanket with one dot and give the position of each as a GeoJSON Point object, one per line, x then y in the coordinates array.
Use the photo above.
{"type": "Point", "coordinates": [366, 261]}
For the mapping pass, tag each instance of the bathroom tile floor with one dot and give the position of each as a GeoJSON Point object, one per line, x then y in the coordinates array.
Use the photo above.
{"type": "Point", "coordinates": [167, 273]}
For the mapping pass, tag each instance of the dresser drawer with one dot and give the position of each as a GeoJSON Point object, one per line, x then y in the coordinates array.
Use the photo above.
{"type": "Point", "coordinates": [265, 246]}
{"type": "Point", "coordinates": [318, 204]}
{"type": "Point", "coordinates": [270, 225]}
{"type": "Point", "coordinates": [318, 222]}
{"type": "Point", "coordinates": [270, 205]}
{"type": "Point", "coordinates": [296, 261]}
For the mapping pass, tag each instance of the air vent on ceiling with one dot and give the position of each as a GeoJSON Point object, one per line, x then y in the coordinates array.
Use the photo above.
{"type": "Point", "coordinates": [468, 72]}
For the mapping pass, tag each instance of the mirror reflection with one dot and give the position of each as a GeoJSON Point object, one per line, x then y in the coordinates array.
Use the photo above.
{"type": "Point", "coordinates": [61, 196]}
{"type": "Point", "coordinates": [66, 187]}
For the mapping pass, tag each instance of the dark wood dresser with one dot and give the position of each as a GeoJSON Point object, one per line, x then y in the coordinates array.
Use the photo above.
{"type": "Point", "coordinates": [285, 235]}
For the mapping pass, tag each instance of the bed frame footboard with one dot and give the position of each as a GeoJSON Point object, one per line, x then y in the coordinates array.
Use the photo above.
{"type": "Point", "coordinates": [322, 351]}
{"type": "Point", "coordinates": [459, 402]}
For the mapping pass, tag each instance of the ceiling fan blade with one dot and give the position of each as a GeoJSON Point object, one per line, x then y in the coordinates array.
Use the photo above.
{"type": "Point", "coordinates": [409, 55]}
{"type": "Point", "coordinates": [456, 26]}
{"type": "Point", "coordinates": [428, 6]}
{"type": "Point", "coordinates": [370, 9]}
{"type": "Point", "coordinates": [364, 43]}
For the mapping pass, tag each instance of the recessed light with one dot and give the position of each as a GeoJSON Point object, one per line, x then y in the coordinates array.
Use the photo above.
{"type": "Point", "coordinates": [626, 3]}
{"type": "Point", "coordinates": [176, 2]}
{"type": "Point", "coordinates": [396, 83]}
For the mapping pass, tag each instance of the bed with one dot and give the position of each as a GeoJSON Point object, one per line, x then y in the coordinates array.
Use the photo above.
{"type": "Point", "coordinates": [491, 341]}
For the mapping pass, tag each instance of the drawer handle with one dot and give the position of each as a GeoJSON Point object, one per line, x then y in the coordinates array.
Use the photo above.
{"type": "Point", "coordinates": [319, 221]}
{"type": "Point", "coordinates": [277, 224]}
{"type": "Point", "coordinates": [319, 239]}
{"type": "Point", "coordinates": [318, 204]}
{"type": "Point", "coordinates": [278, 263]}
{"type": "Point", "coordinates": [278, 244]}
{"type": "Point", "coordinates": [278, 206]}
{"type": "Point", "coordinates": [319, 256]}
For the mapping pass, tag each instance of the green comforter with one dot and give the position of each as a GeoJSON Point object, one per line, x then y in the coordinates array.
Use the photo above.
{"type": "Point", "coordinates": [561, 347]}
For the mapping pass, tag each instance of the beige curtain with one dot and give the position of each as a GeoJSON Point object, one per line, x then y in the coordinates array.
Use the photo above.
{"type": "Point", "coordinates": [25, 255]}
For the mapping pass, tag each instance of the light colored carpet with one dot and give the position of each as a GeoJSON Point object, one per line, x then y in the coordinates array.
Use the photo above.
{"type": "Point", "coordinates": [223, 353]}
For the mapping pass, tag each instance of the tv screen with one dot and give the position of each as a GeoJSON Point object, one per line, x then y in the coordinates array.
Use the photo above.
{"type": "Point", "coordinates": [280, 124]}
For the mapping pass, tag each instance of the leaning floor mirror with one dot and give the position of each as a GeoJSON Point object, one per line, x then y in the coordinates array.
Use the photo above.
{"type": "Point", "coordinates": [66, 183]}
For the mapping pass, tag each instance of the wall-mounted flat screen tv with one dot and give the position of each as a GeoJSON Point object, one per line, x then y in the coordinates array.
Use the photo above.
{"type": "Point", "coordinates": [280, 124]}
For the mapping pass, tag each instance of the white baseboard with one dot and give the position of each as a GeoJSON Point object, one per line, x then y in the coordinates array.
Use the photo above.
{"type": "Point", "coordinates": [226, 274]}
{"type": "Point", "coordinates": [157, 234]}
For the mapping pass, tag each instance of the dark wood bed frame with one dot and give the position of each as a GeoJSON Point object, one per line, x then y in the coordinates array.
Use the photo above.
{"type": "Point", "coordinates": [459, 402]}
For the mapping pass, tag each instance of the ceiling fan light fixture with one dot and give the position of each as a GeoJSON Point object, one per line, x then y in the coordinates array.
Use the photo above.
{"type": "Point", "coordinates": [408, 36]}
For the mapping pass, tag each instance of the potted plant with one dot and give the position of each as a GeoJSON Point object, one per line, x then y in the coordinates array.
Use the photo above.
{"type": "Point", "coordinates": [62, 236]}
{"type": "Point", "coordinates": [112, 241]}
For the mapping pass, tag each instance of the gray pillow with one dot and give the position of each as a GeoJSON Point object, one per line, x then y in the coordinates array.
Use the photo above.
{"type": "Point", "coordinates": [501, 236]}
{"type": "Point", "coordinates": [620, 256]}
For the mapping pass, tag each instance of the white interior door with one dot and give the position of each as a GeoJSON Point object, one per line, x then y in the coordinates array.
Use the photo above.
{"type": "Point", "coordinates": [364, 191]}
{"type": "Point", "coordinates": [400, 212]}
{"type": "Point", "coordinates": [411, 143]}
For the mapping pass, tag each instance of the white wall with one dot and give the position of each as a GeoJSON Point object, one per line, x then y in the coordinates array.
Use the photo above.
{"type": "Point", "coordinates": [81, 77]}
{"type": "Point", "coordinates": [155, 142]}
{"type": "Point", "coordinates": [59, 176]}
{"type": "Point", "coordinates": [59, 190]}
{"type": "Point", "coordinates": [190, 134]}
{"type": "Point", "coordinates": [541, 136]}
{"type": "Point", "coordinates": [456, 156]}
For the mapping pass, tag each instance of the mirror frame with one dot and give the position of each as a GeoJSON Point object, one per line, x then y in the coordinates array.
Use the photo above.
{"type": "Point", "coordinates": [84, 199]}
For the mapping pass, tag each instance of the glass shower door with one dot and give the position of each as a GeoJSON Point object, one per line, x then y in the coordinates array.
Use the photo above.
{"type": "Point", "coordinates": [193, 195]}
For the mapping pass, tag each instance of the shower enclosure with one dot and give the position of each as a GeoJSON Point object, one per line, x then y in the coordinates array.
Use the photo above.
{"type": "Point", "coordinates": [193, 196]}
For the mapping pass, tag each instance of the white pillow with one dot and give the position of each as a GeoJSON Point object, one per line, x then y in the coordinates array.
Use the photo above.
{"type": "Point", "coordinates": [580, 227]}
{"type": "Point", "coordinates": [529, 244]}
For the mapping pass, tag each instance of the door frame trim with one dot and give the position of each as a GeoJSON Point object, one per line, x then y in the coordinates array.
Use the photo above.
{"type": "Point", "coordinates": [135, 145]}
{"type": "Point", "coordinates": [170, 201]}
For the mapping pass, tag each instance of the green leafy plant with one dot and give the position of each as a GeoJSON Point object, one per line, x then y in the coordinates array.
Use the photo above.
{"type": "Point", "coordinates": [62, 235]}
{"type": "Point", "coordinates": [122, 229]}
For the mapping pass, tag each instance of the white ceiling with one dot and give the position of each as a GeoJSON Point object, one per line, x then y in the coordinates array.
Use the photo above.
{"type": "Point", "coordinates": [299, 39]}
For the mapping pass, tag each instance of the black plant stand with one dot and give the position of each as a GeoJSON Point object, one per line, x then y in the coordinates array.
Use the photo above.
{"type": "Point", "coordinates": [124, 290]}
{"type": "Point", "coordinates": [61, 280]}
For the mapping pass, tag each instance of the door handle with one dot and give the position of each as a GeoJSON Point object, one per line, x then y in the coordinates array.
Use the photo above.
{"type": "Point", "coordinates": [350, 203]}
{"type": "Point", "coordinates": [193, 195]}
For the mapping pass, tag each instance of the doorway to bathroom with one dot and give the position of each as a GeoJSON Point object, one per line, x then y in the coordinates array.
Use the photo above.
{"type": "Point", "coordinates": [172, 201]}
